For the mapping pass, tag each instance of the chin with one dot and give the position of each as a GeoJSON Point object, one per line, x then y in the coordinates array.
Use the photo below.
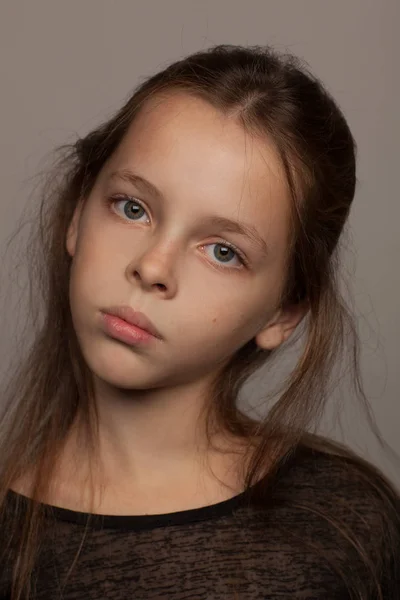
{"type": "Point", "coordinates": [123, 369]}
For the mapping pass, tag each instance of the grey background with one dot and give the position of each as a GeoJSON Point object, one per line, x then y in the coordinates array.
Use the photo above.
{"type": "Point", "coordinates": [65, 66]}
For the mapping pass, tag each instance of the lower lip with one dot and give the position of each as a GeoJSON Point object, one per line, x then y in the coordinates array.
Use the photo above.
{"type": "Point", "coordinates": [121, 330]}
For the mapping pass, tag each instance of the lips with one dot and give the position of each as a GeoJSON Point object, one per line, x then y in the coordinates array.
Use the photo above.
{"type": "Point", "coordinates": [133, 317]}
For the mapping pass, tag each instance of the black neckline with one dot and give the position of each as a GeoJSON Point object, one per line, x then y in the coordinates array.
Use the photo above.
{"type": "Point", "coordinates": [136, 522]}
{"type": "Point", "coordinates": [141, 522]}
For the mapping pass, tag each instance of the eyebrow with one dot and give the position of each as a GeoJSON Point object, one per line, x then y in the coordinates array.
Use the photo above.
{"type": "Point", "coordinates": [223, 223]}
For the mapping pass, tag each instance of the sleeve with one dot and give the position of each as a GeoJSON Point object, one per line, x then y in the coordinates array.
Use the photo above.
{"type": "Point", "coordinates": [371, 510]}
{"type": "Point", "coordinates": [390, 573]}
{"type": "Point", "coordinates": [348, 524]}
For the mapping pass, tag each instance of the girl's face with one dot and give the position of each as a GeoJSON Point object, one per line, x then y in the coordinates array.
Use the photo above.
{"type": "Point", "coordinates": [166, 255]}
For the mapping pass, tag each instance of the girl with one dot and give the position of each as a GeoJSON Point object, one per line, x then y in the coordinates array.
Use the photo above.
{"type": "Point", "coordinates": [185, 241]}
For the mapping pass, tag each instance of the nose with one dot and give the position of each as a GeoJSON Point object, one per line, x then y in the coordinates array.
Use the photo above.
{"type": "Point", "coordinates": [160, 286]}
{"type": "Point", "coordinates": [154, 271]}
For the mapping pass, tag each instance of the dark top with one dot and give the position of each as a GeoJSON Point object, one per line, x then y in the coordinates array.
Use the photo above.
{"type": "Point", "coordinates": [286, 549]}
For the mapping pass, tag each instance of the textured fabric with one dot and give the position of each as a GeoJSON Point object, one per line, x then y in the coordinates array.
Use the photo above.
{"type": "Point", "coordinates": [286, 549]}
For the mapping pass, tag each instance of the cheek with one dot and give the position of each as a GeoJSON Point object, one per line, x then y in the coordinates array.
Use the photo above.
{"type": "Point", "coordinates": [238, 318]}
{"type": "Point", "coordinates": [232, 324]}
{"type": "Point", "coordinates": [88, 280]}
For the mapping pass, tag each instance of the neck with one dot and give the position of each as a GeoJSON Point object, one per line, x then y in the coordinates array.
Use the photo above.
{"type": "Point", "coordinates": [151, 443]}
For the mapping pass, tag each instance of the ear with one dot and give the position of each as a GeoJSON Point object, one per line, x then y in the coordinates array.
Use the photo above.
{"type": "Point", "coordinates": [281, 327]}
{"type": "Point", "coordinates": [73, 228]}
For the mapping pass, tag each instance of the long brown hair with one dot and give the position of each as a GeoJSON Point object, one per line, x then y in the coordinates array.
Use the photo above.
{"type": "Point", "coordinates": [272, 95]}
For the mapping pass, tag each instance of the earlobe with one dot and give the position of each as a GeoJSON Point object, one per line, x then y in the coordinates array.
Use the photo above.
{"type": "Point", "coordinates": [271, 337]}
{"type": "Point", "coordinates": [280, 328]}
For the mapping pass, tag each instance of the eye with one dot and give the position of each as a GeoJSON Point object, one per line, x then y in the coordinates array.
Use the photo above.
{"type": "Point", "coordinates": [132, 210]}
{"type": "Point", "coordinates": [228, 250]}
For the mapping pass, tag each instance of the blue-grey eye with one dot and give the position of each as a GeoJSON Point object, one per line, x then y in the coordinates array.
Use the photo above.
{"type": "Point", "coordinates": [224, 252]}
{"type": "Point", "coordinates": [131, 208]}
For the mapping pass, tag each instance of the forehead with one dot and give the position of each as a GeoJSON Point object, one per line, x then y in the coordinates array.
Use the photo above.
{"type": "Point", "coordinates": [191, 151]}
{"type": "Point", "coordinates": [184, 128]}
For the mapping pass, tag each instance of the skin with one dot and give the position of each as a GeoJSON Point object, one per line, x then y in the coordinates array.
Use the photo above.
{"type": "Point", "coordinates": [206, 305]}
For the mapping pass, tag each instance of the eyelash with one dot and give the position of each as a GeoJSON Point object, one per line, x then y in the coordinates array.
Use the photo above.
{"type": "Point", "coordinates": [242, 258]}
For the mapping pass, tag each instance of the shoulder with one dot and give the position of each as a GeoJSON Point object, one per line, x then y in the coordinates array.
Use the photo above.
{"type": "Point", "coordinates": [345, 512]}
{"type": "Point", "coordinates": [350, 488]}
{"type": "Point", "coordinates": [345, 479]}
